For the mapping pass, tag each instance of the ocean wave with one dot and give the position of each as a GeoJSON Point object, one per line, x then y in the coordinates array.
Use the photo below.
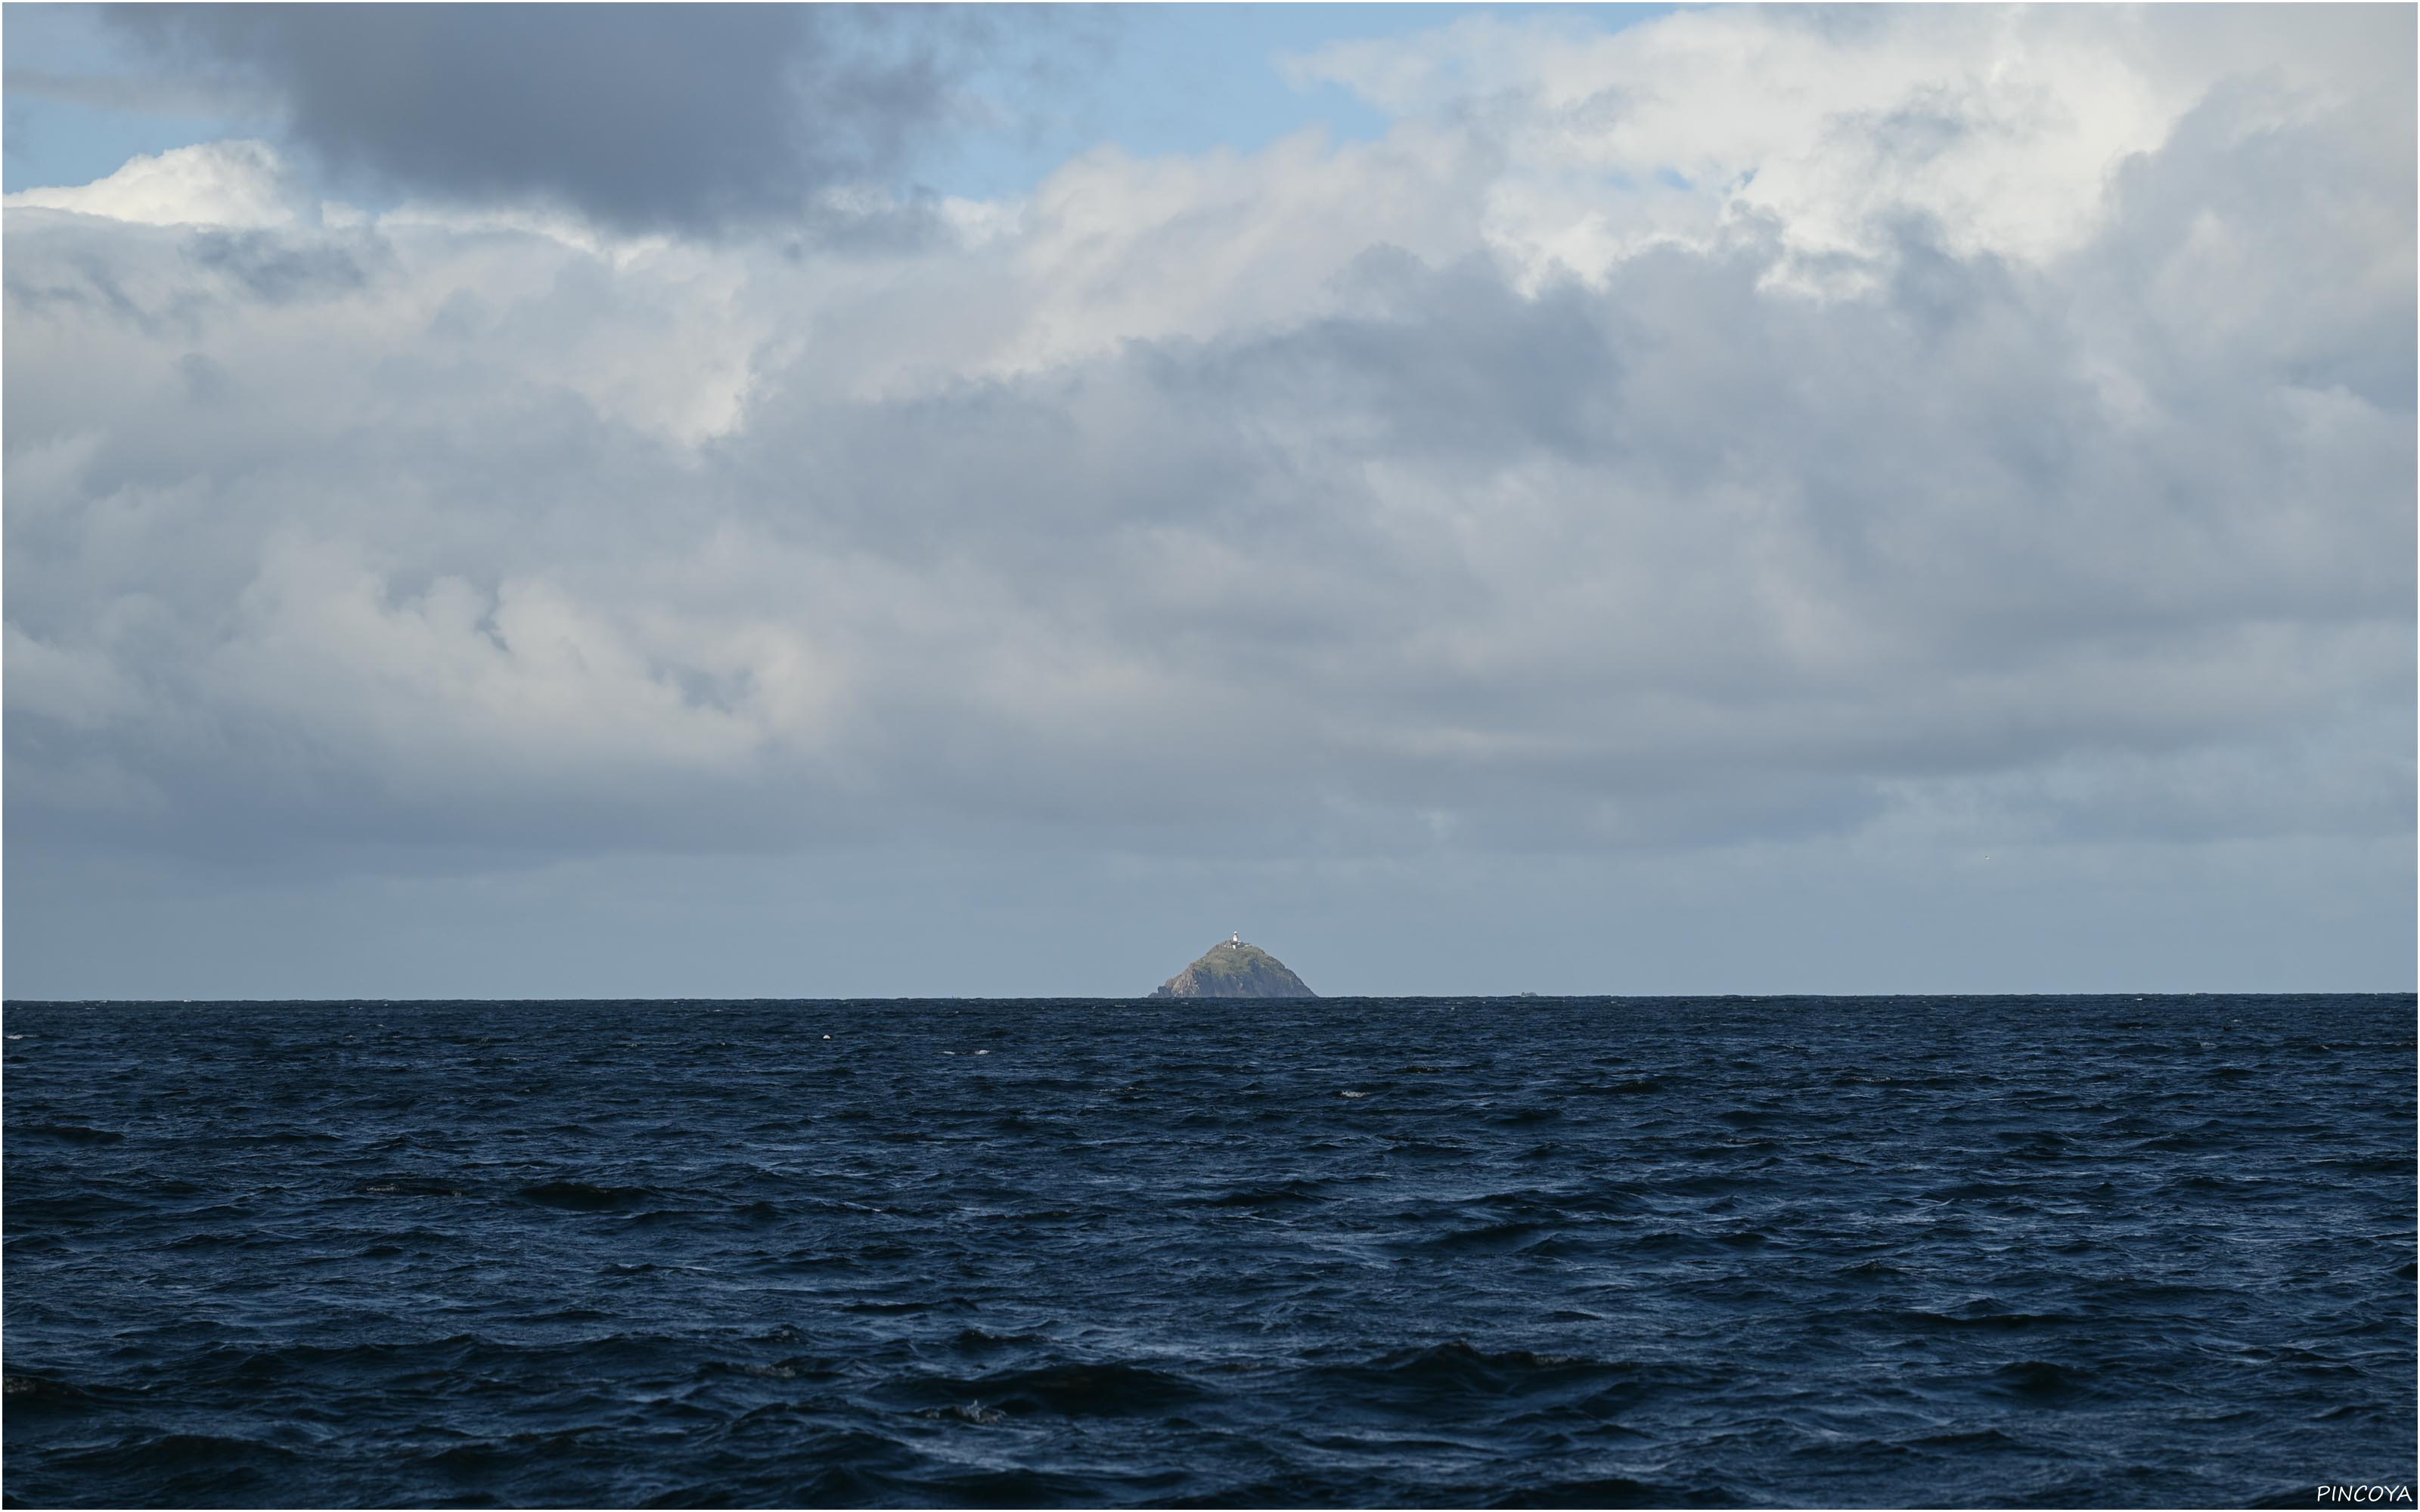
{"type": "Point", "coordinates": [588, 1196]}
{"type": "Point", "coordinates": [1911, 1252]}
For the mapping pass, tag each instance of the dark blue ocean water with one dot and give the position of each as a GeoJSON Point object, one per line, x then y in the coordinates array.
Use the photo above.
{"type": "Point", "coordinates": [1836, 1251]}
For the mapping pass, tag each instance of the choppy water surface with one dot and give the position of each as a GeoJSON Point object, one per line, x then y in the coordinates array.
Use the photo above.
{"type": "Point", "coordinates": [1829, 1250]}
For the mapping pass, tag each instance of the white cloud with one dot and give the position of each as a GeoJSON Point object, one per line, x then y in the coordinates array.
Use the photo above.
{"type": "Point", "coordinates": [215, 183]}
{"type": "Point", "coordinates": [2001, 127]}
{"type": "Point", "coordinates": [1474, 482]}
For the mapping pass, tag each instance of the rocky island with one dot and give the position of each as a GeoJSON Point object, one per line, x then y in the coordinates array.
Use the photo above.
{"type": "Point", "coordinates": [1234, 970]}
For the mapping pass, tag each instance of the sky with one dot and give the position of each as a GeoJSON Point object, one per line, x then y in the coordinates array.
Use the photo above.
{"type": "Point", "coordinates": [687, 502]}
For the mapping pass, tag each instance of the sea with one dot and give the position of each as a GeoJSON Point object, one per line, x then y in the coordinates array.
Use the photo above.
{"type": "Point", "coordinates": [1897, 1251]}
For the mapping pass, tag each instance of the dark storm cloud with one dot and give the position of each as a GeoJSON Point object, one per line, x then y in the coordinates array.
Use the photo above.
{"type": "Point", "coordinates": [641, 117]}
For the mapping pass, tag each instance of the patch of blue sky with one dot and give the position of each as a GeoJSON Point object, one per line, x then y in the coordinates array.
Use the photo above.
{"type": "Point", "coordinates": [76, 104]}
{"type": "Point", "coordinates": [1190, 79]}
{"type": "Point", "coordinates": [53, 142]}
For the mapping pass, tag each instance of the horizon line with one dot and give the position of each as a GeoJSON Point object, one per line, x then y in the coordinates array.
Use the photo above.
{"type": "Point", "coordinates": [1327, 997]}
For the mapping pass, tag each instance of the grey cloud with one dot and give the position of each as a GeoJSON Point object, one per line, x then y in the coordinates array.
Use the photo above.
{"type": "Point", "coordinates": [84, 279]}
{"type": "Point", "coordinates": [206, 382]}
{"type": "Point", "coordinates": [120, 273]}
{"type": "Point", "coordinates": [281, 269]}
{"type": "Point", "coordinates": [1459, 366]}
{"type": "Point", "coordinates": [148, 95]}
{"type": "Point", "coordinates": [1658, 563]}
{"type": "Point", "coordinates": [641, 117]}
{"type": "Point", "coordinates": [2294, 193]}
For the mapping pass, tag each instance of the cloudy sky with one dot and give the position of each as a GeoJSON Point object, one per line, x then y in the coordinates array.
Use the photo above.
{"type": "Point", "coordinates": [567, 501]}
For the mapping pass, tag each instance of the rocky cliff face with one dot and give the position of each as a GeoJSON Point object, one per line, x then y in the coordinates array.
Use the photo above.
{"type": "Point", "coordinates": [1234, 970]}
